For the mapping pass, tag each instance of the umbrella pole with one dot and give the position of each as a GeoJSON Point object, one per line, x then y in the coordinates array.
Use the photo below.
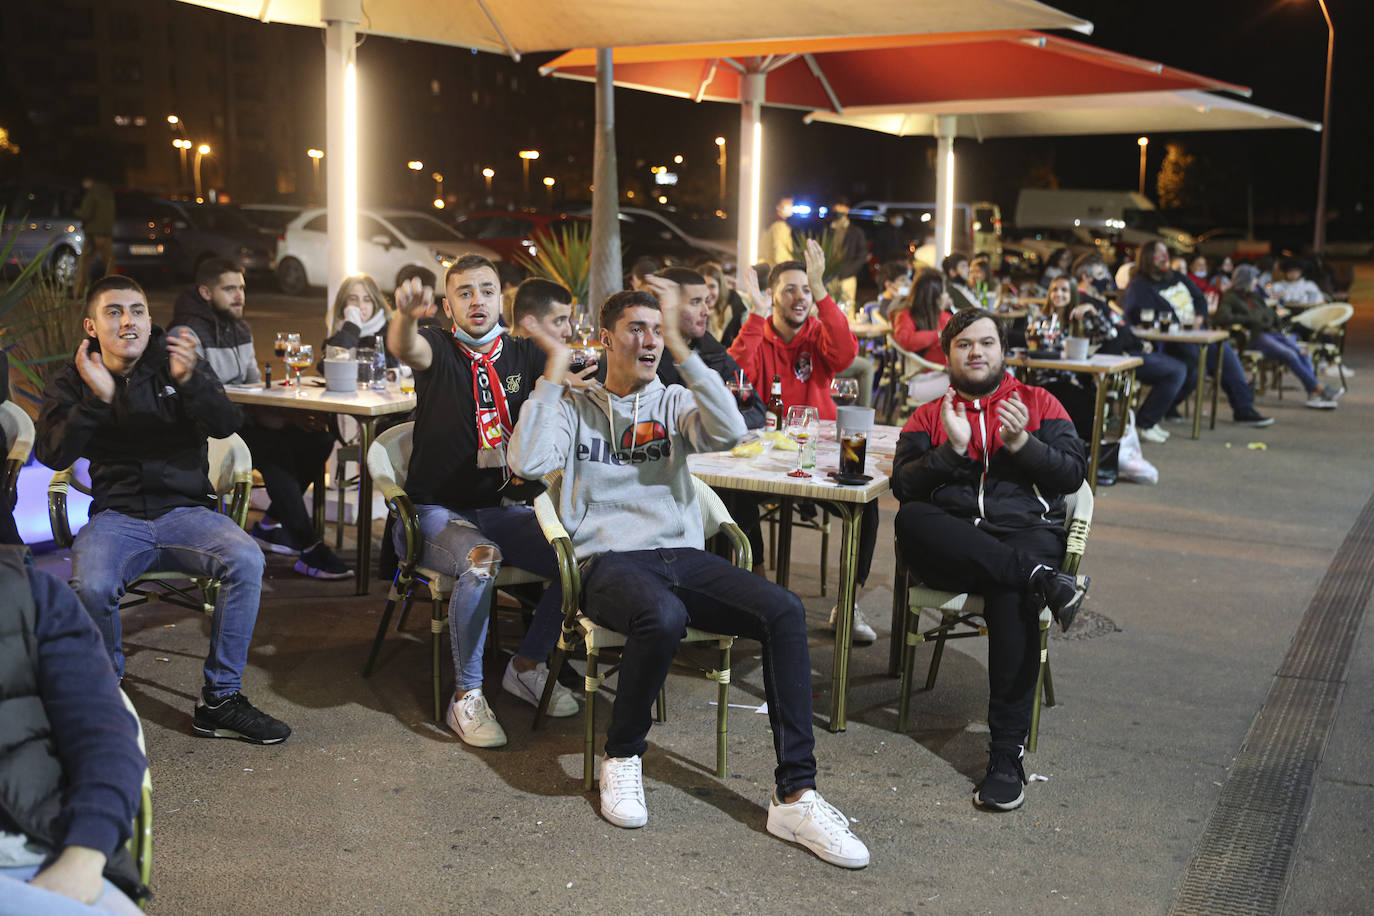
{"type": "Point", "coordinates": [945, 126]}
{"type": "Point", "coordinates": [606, 270]}
{"type": "Point", "coordinates": [747, 209]}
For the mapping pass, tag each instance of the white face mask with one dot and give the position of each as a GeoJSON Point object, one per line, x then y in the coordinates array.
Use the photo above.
{"type": "Point", "coordinates": [1200, 273]}
{"type": "Point", "coordinates": [903, 291]}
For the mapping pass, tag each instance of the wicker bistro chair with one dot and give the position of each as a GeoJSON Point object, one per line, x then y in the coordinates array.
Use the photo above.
{"type": "Point", "coordinates": [961, 616]}
{"type": "Point", "coordinates": [18, 429]}
{"type": "Point", "coordinates": [231, 475]}
{"type": "Point", "coordinates": [576, 625]}
{"type": "Point", "coordinates": [140, 843]}
{"type": "Point", "coordinates": [388, 459]}
{"type": "Point", "coordinates": [1326, 324]}
{"type": "Point", "coordinates": [911, 380]}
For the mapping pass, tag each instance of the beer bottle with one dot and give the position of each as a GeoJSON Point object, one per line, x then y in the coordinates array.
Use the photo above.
{"type": "Point", "coordinates": [776, 412]}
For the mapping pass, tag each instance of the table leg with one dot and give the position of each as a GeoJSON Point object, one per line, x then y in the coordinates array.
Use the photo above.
{"type": "Point", "coordinates": [849, 514]}
{"type": "Point", "coordinates": [783, 570]}
{"type": "Point", "coordinates": [319, 493]}
{"type": "Point", "coordinates": [1216, 390]}
{"type": "Point", "coordinates": [1099, 421]}
{"type": "Point", "coordinates": [1197, 394]}
{"type": "Point", "coordinates": [1126, 403]}
{"type": "Point", "coordinates": [363, 573]}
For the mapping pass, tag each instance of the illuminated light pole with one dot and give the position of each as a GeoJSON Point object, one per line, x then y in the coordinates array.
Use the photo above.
{"type": "Point", "coordinates": [1319, 231]}
{"type": "Point", "coordinates": [182, 146]}
{"type": "Point", "coordinates": [677, 160]}
{"type": "Point", "coordinates": [438, 186]}
{"type": "Point", "coordinates": [548, 188]}
{"type": "Point", "coordinates": [416, 167]}
{"type": "Point", "coordinates": [201, 151]}
{"type": "Point", "coordinates": [315, 156]}
{"type": "Point", "coordinates": [1144, 142]}
{"type": "Point", "coordinates": [526, 155]}
{"type": "Point", "coordinates": [720, 161]}
{"type": "Point", "coordinates": [487, 175]}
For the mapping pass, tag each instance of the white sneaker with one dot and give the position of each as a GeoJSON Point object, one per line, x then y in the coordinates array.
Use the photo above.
{"type": "Point", "coordinates": [861, 634]}
{"type": "Point", "coordinates": [1317, 402]}
{"type": "Point", "coordinates": [820, 827]}
{"type": "Point", "coordinates": [1154, 434]}
{"type": "Point", "coordinates": [622, 791]}
{"type": "Point", "coordinates": [472, 720]}
{"type": "Point", "coordinates": [529, 686]}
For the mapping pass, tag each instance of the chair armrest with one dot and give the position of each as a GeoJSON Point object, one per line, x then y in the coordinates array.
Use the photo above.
{"type": "Point", "coordinates": [238, 499]}
{"type": "Point", "coordinates": [409, 519]}
{"type": "Point", "coordinates": [739, 545]}
{"type": "Point", "coordinates": [547, 516]}
{"type": "Point", "coordinates": [1077, 545]}
{"type": "Point", "coordinates": [12, 468]}
{"type": "Point", "coordinates": [57, 507]}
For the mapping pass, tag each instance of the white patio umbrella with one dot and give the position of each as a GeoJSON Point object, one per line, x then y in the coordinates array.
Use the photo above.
{"type": "Point", "coordinates": [517, 27]}
{"type": "Point", "coordinates": [1102, 113]}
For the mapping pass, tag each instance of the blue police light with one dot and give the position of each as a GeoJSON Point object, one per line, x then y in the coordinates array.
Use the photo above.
{"type": "Point", "coordinates": [801, 209]}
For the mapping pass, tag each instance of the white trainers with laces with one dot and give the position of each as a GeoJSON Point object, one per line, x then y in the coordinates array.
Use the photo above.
{"type": "Point", "coordinates": [819, 826]}
{"type": "Point", "coordinates": [1154, 434]}
{"type": "Point", "coordinates": [472, 720]}
{"type": "Point", "coordinates": [529, 686]}
{"type": "Point", "coordinates": [861, 634]}
{"type": "Point", "coordinates": [622, 791]}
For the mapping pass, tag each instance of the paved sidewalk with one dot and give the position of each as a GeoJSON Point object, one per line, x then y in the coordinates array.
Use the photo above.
{"type": "Point", "coordinates": [1198, 586]}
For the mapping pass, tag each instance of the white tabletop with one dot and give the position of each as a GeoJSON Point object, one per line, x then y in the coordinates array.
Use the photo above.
{"type": "Point", "coordinates": [1098, 363]}
{"type": "Point", "coordinates": [364, 402]}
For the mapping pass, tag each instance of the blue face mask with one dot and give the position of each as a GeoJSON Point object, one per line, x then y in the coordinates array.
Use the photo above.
{"type": "Point", "coordinates": [466, 338]}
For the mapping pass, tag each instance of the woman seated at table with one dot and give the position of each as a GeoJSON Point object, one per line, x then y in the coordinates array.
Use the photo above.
{"type": "Point", "coordinates": [918, 321]}
{"type": "Point", "coordinates": [725, 310]}
{"type": "Point", "coordinates": [360, 316]}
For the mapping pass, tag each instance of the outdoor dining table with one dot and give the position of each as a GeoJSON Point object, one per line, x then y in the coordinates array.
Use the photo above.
{"type": "Point", "coordinates": [768, 474]}
{"type": "Point", "coordinates": [1101, 366]}
{"type": "Point", "coordinates": [365, 405]}
{"type": "Point", "coordinates": [1202, 338]}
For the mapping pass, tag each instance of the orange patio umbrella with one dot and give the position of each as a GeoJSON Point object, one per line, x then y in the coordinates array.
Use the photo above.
{"type": "Point", "coordinates": [832, 74]}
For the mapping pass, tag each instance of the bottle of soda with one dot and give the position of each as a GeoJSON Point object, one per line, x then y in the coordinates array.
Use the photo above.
{"type": "Point", "coordinates": [267, 375]}
{"type": "Point", "coordinates": [776, 411]}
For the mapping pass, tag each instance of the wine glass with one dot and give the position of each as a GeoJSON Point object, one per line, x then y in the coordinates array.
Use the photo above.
{"type": "Point", "coordinates": [299, 357]}
{"type": "Point", "coordinates": [844, 391]}
{"type": "Point", "coordinates": [801, 425]}
{"type": "Point", "coordinates": [283, 344]}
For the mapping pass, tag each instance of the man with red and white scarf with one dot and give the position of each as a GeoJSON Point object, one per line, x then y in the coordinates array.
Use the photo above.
{"type": "Point", "coordinates": [981, 475]}
{"type": "Point", "coordinates": [470, 381]}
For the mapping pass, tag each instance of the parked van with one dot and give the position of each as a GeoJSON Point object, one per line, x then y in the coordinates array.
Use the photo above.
{"type": "Point", "coordinates": [1127, 217]}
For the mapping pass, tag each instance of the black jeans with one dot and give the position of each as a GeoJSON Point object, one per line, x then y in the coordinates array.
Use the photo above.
{"type": "Point", "coordinates": [289, 460]}
{"type": "Point", "coordinates": [951, 553]}
{"type": "Point", "coordinates": [652, 595]}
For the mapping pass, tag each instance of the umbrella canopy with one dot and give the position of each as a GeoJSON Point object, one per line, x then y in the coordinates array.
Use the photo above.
{"type": "Point", "coordinates": [1101, 113]}
{"type": "Point", "coordinates": [520, 26]}
{"type": "Point", "coordinates": [837, 74]}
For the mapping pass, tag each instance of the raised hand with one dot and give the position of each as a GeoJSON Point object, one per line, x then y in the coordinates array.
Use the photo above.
{"type": "Point", "coordinates": [669, 296]}
{"type": "Point", "coordinates": [1013, 415]}
{"type": "Point", "coordinates": [558, 353]}
{"type": "Point", "coordinates": [955, 420]}
{"type": "Point", "coordinates": [91, 367]}
{"type": "Point", "coordinates": [760, 302]}
{"type": "Point", "coordinates": [815, 269]}
{"type": "Point", "coordinates": [181, 352]}
{"type": "Point", "coordinates": [414, 300]}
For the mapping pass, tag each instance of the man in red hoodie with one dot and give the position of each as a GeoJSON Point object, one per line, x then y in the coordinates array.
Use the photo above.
{"type": "Point", "coordinates": [981, 475]}
{"type": "Point", "coordinates": [805, 350]}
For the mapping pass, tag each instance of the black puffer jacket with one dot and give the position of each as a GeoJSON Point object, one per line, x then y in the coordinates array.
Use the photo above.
{"type": "Point", "coordinates": [147, 449]}
{"type": "Point", "coordinates": [991, 487]}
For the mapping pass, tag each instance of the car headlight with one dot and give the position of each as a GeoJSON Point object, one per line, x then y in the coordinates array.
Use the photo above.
{"type": "Point", "coordinates": [442, 257]}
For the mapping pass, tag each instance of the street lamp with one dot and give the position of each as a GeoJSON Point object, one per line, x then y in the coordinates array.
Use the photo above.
{"type": "Point", "coordinates": [677, 160]}
{"type": "Point", "coordinates": [526, 155]}
{"type": "Point", "coordinates": [487, 175]}
{"type": "Point", "coordinates": [201, 151]}
{"type": "Point", "coordinates": [182, 146]}
{"type": "Point", "coordinates": [548, 187]}
{"type": "Point", "coordinates": [438, 185]}
{"type": "Point", "coordinates": [315, 156]}
{"type": "Point", "coordinates": [720, 161]}
{"type": "Point", "coordinates": [1144, 142]}
{"type": "Point", "coordinates": [1319, 231]}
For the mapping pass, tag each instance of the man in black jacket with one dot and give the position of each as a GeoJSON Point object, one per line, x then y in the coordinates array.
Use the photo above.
{"type": "Point", "coordinates": [290, 447]}
{"type": "Point", "coordinates": [139, 405]}
{"type": "Point", "coordinates": [981, 475]}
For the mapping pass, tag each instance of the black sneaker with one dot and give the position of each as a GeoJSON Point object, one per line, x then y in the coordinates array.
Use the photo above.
{"type": "Point", "coordinates": [1060, 592]}
{"type": "Point", "coordinates": [319, 562]}
{"type": "Point", "coordinates": [235, 717]}
{"type": "Point", "coordinates": [1251, 417]}
{"type": "Point", "coordinates": [1000, 789]}
{"type": "Point", "coordinates": [275, 539]}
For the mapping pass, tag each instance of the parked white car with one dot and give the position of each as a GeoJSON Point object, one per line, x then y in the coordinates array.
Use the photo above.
{"type": "Point", "coordinates": [388, 240]}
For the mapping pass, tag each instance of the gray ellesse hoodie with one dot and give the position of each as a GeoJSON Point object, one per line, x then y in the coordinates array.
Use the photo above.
{"type": "Point", "coordinates": [624, 459]}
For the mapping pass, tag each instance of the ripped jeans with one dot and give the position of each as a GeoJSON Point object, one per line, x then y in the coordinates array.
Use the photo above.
{"type": "Point", "coordinates": [470, 546]}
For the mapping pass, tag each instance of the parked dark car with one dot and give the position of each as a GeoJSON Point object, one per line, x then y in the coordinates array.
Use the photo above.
{"type": "Point", "coordinates": [507, 232]}
{"type": "Point", "coordinates": [154, 236]}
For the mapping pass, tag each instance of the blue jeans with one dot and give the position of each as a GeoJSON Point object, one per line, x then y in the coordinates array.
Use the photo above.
{"type": "Point", "coordinates": [1165, 376]}
{"type": "Point", "coordinates": [1286, 350]}
{"type": "Point", "coordinates": [449, 539]}
{"type": "Point", "coordinates": [113, 550]}
{"type": "Point", "coordinates": [19, 896]}
{"type": "Point", "coordinates": [652, 595]}
{"type": "Point", "coordinates": [1233, 383]}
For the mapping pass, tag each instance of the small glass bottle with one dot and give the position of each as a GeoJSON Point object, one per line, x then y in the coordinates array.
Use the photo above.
{"type": "Point", "coordinates": [776, 412]}
{"type": "Point", "coordinates": [379, 369]}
